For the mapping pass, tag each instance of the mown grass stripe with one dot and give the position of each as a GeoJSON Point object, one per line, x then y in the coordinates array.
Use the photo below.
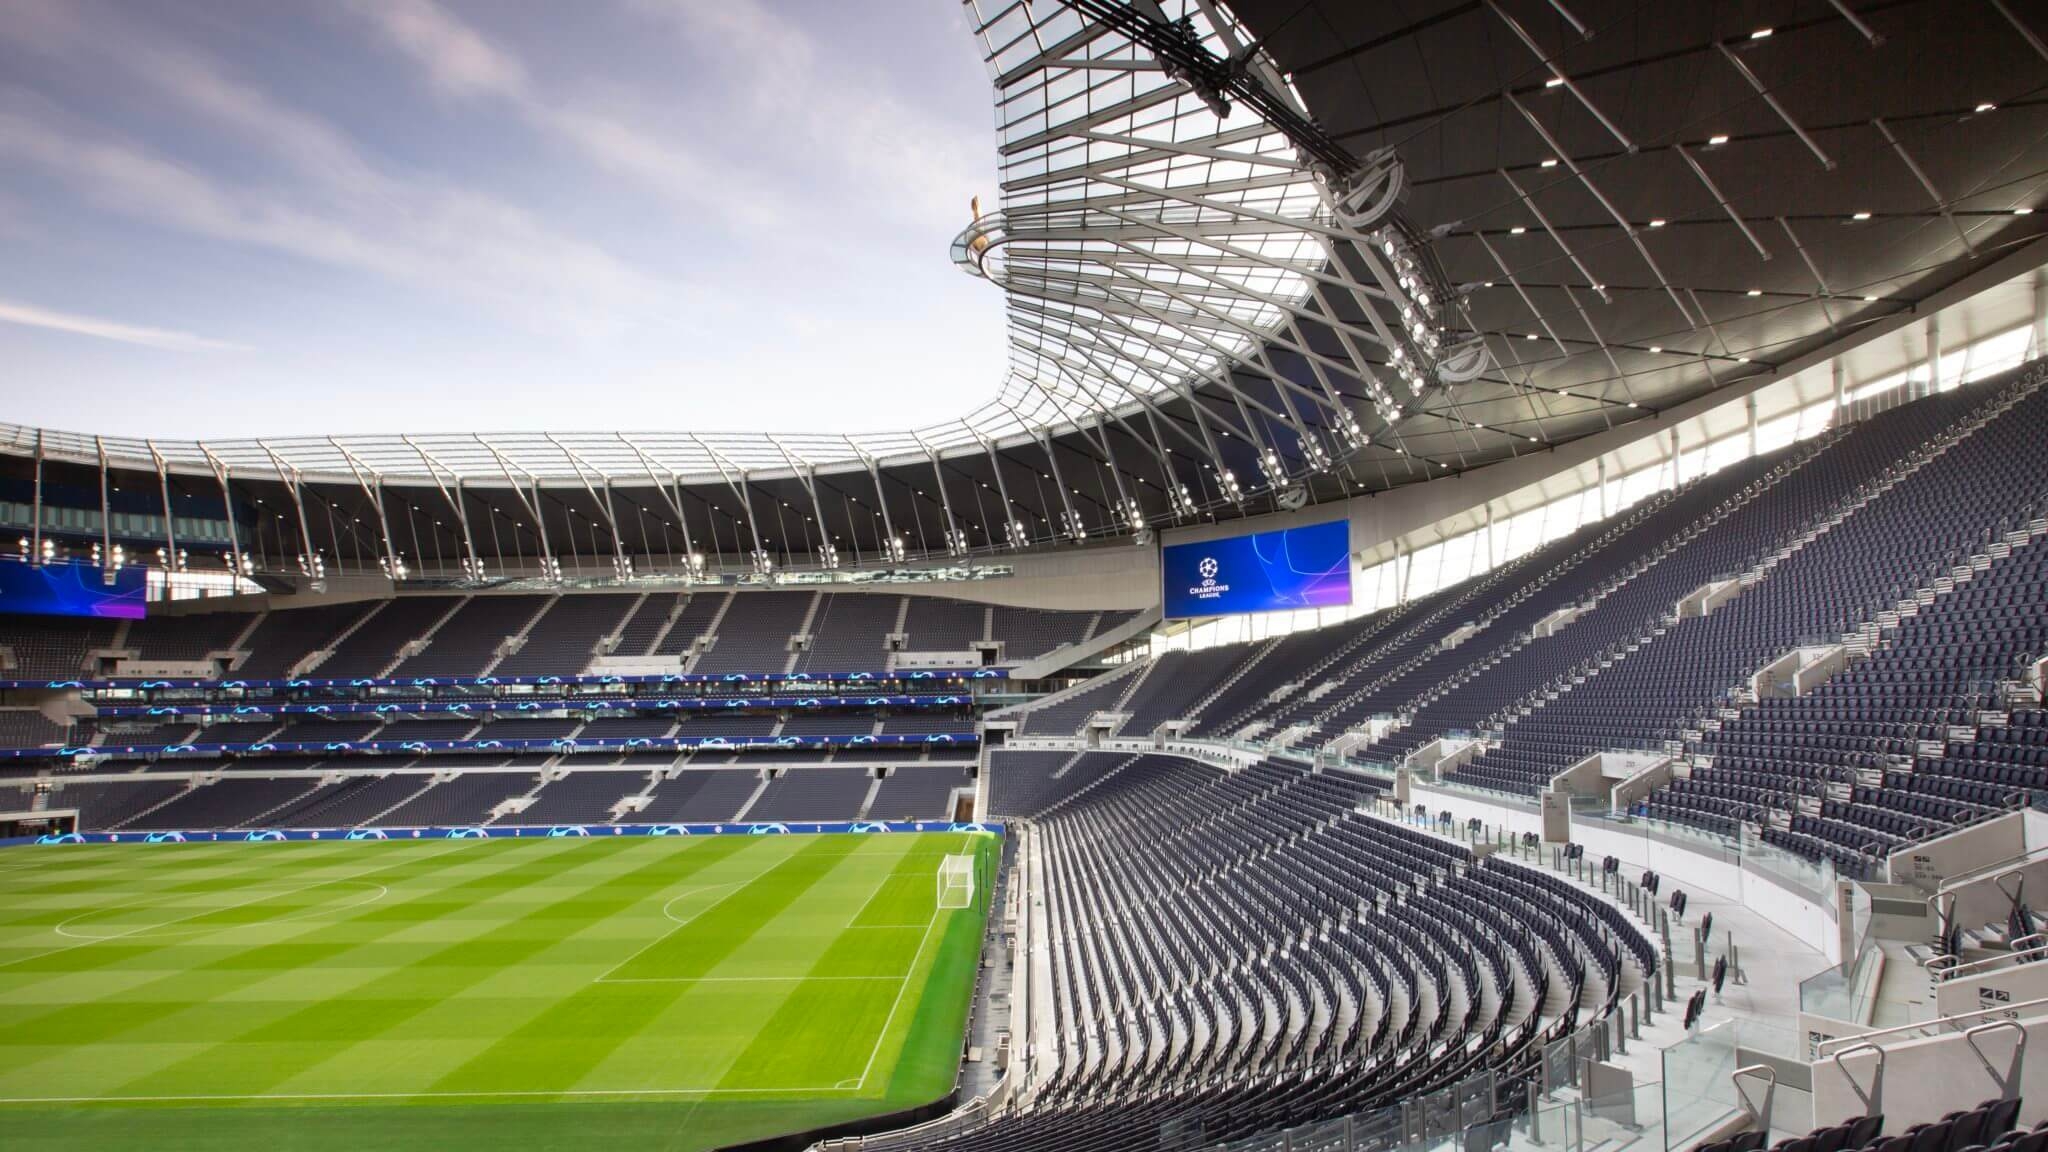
{"type": "Point", "coordinates": [340, 1022]}
{"type": "Point", "coordinates": [98, 1020]}
{"type": "Point", "coordinates": [790, 1045]}
{"type": "Point", "coordinates": [275, 1052]}
{"type": "Point", "coordinates": [561, 1044]}
{"type": "Point", "coordinates": [176, 986]}
{"type": "Point", "coordinates": [112, 953]}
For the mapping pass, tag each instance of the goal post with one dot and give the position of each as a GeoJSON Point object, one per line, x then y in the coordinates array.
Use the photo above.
{"type": "Point", "coordinates": [957, 882]}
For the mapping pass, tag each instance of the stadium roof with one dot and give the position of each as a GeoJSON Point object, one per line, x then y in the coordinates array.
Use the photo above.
{"type": "Point", "coordinates": [1146, 244]}
{"type": "Point", "coordinates": [1644, 203]}
{"type": "Point", "coordinates": [1319, 248]}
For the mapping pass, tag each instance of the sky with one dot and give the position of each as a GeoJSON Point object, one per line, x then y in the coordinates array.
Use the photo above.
{"type": "Point", "coordinates": [242, 218]}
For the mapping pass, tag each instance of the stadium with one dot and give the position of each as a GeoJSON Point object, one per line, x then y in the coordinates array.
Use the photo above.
{"type": "Point", "coordinates": [1487, 601]}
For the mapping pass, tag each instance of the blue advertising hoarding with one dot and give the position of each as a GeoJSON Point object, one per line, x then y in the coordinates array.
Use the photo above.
{"type": "Point", "coordinates": [509, 832]}
{"type": "Point", "coordinates": [70, 590]}
{"type": "Point", "coordinates": [159, 683]}
{"type": "Point", "coordinates": [1305, 567]}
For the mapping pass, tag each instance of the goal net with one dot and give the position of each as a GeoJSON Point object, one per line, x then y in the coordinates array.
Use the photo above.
{"type": "Point", "coordinates": [956, 882]}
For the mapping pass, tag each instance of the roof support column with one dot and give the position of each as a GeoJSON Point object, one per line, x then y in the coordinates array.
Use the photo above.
{"type": "Point", "coordinates": [163, 481]}
{"type": "Point", "coordinates": [476, 562]}
{"type": "Point", "coordinates": [1127, 507]}
{"type": "Point", "coordinates": [1933, 353]}
{"type": "Point", "coordinates": [828, 552]}
{"type": "Point", "coordinates": [241, 564]}
{"type": "Point", "coordinates": [693, 559]}
{"type": "Point", "coordinates": [1015, 533]}
{"type": "Point", "coordinates": [624, 561]}
{"type": "Point", "coordinates": [551, 568]}
{"type": "Point", "coordinates": [106, 515]}
{"type": "Point", "coordinates": [622, 565]}
{"type": "Point", "coordinates": [472, 564]}
{"type": "Point", "coordinates": [372, 485]}
{"type": "Point", "coordinates": [763, 563]}
{"type": "Point", "coordinates": [1073, 528]}
{"type": "Point", "coordinates": [35, 509]}
{"type": "Point", "coordinates": [892, 544]}
{"type": "Point", "coordinates": [2040, 312]}
{"type": "Point", "coordinates": [310, 564]}
{"type": "Point", "coordinates": [806, 475]}
{"type": "Point", "coordinates": [956, 539]}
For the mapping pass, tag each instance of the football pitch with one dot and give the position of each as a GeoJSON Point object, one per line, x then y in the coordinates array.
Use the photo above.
{"type": "Point", "coordinates": [630, 992]}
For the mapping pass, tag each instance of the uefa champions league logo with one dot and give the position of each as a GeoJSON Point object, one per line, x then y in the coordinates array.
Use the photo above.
{"type": "Point", "coordinates": [1208, 567]}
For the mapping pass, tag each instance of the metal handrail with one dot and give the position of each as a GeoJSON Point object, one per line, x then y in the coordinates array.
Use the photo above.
{"type": "Point", "coordinates": [1770, 1077]}
{"type": "Point", "coordinates": [1942, 972]}
{"type": "Point", "coordinates": [2011, 894]}
{"type": "Point", "coordinates": [2008, 1011]}
{"type": "Point", "coordinates": [1873, 1100]}
{"type": "Point", "coordinates": [2007, 1082]}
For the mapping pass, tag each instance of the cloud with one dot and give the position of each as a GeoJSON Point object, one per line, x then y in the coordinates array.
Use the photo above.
{"type": "Point", "coordinates": [342, 208]}
{"type": "Point", "coordinates": [837, 108]}
{"type": "Point", "coordinates": [512, 218]}
{"type": "Point", "coordinates": [31, 316]}
{"type": "Point", "coordinates": [458, 59]}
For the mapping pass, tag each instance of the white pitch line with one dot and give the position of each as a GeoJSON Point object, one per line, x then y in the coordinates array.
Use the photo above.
{"type": "Point", "coordinates": [965, 840]}
{"type": "Point", "coordinates": [670, 902]}
{"type": "Point", "coordinates": [898, 1002]}
{"type": "Point", "coordinates": [62, 928]}
{"type": "Point", "coordinates": [743, 979]}
{"type": "Point", "coordinates": [209, 911]}
{"type": "Point", "coordinates": [506, 1094]}
{"type": "Point", "coordinates": [735, 886]}
{"type": "Point", "coordinates": [886, 877]}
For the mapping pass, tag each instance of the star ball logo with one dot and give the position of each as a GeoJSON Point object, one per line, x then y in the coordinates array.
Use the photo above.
{"type": "Point", "coordinates": [1208, 589]}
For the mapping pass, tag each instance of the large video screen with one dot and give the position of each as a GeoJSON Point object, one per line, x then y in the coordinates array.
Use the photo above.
{"type": "Point", "coordinates": [70, 590]}
{"type": "Point", "coordinates": [1306, 567]}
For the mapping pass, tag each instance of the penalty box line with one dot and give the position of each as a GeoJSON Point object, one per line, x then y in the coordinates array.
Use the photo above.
{"type": "Point", "coordinates": [735, 887]}
{"type": "Point", "coordinates": [732, 888]}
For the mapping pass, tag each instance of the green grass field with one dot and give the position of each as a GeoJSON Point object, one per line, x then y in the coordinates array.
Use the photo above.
{"type": "Point", "coordinates": [628, 992]}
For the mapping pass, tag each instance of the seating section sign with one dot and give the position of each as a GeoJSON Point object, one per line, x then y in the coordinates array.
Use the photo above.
{"type": "Point", "coordinates": [1305, 567]}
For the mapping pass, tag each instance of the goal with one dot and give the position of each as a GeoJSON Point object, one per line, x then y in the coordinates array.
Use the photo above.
{"type": "Point", "coordinates": [956, 882]}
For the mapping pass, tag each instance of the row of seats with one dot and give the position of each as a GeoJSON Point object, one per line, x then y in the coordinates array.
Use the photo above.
{"type": "Point", "coordinates": [745, 631]}
{"type": "Point", "coordinates": [1829, 536]}
{"type": "Point", "coordinates": [1236, 952]}
{"type": "Point", "coordinates": [1989, 1127]}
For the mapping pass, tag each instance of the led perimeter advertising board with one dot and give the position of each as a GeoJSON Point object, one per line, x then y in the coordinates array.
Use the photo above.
{"type": "Point", "coordinates": [1305, 567]}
